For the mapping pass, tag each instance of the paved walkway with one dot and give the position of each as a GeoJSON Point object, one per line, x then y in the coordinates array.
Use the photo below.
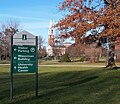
{"type": "Point", "coordinates": [74, 65]}
{"type": "Point", "coordinates": [64, 65]}
{"type": "Point", "coordinates": [4, 64]}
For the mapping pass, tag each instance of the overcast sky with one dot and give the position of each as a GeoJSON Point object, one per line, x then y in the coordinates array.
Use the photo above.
{"type": "Point", "coordinates": [33, 15]}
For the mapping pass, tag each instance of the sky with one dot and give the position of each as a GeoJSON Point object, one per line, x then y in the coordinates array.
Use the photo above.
{"type": "Point", "coordinates": [33, 15]}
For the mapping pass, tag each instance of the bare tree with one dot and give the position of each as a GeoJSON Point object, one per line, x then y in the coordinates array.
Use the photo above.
{"type": "Point", "coordinates": [59, 48]}
{"type": "Point", "coordinates": [8, 29]}
{"type": "Point", "coordinates": [41, 41]}
{"type": "Point", "coordinates": [42, 49]}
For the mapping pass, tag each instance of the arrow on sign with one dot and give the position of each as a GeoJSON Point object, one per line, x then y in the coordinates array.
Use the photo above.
{"type": "Point", "coordinates": [15, 57]}
{"type": "Point", "coordinates": [15, 49]}
{"type": "Point", "coordinates": [15, 67]}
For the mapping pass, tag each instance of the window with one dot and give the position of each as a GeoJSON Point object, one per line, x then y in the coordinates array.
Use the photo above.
{"type": "Point", "coordinates": [24, 37]}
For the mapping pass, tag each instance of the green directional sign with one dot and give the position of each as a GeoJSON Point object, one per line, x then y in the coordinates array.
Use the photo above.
{"type": "Point", "coordinates": [24, 59]}
{"type": "Point", "coordinates": [24, 56]}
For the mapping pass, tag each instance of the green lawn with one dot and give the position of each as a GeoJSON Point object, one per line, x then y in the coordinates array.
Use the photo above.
{"type": "Point", "coordinates": [63, 85]}
{"type": "Point", "coordinates": [55, 62]}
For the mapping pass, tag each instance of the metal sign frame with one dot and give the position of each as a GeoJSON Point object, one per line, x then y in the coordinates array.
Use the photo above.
{"type": "Point", "coordinates": [11, 67]}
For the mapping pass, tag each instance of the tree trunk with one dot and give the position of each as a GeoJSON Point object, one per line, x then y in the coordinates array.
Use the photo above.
{"type": "Point", "coordinates": [111, 57]}
{"type": "Point", "coordinates": [0, 57]}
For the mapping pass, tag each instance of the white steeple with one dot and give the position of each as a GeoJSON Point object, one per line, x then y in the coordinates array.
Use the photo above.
{"type": "Point", "coordinates": [51, 29]}
{"type": "Point", "coordinates": [51, 23]}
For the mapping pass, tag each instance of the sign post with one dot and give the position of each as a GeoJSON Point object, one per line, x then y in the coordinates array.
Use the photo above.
{"type": "Point", "coordinates": [11, 72]}
{"type": "Point", "coordinates": [37, 68]}
{"type": "Point", "coordinates": [24, 56]}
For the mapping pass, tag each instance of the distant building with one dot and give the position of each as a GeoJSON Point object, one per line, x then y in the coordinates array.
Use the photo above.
{"type": "Point", "coordinates": [55, 48]}
{"type": "Point", "coordinates": [67, 44]}
{"type": "Point", "coordinates": [117, 49]}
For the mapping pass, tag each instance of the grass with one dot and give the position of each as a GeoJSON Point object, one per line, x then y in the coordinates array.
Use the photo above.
{"type": "Point", "coordinates": [63, 85]}
{"type": "Point", "coordinates": [4, 62]}
{"type": "Point", "coordinates": [55, 62]}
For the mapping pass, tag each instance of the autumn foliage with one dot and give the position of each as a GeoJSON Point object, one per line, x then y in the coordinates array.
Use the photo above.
{"type": "Point", "coordinates": [89, 21]}
{"type": "Point", "coordinates": [84, 16]}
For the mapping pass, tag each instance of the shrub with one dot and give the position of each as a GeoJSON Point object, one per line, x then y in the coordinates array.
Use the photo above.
{"type": "Point", "coordinates": [65, 58]}
{"type": "Point", "coordinates": [82, 58]}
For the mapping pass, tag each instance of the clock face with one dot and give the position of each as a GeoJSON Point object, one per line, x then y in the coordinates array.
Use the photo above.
{"type": "Point", "coordinates": [52, 36]}
{"type": "Point", "coordinates": [51, 31]}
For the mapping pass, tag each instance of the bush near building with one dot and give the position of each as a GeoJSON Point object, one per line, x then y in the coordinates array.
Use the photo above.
{"type": "Point", "coordinates": [65, 58]}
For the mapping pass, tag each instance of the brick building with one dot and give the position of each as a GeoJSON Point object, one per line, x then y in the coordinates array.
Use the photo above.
{"type": "Point", "coordinates": [55, 48]}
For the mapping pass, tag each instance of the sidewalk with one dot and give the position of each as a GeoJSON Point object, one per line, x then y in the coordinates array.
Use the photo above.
{"type": "Point", "coordinates": [64, 65]}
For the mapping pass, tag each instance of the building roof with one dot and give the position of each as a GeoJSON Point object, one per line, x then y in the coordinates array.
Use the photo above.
{"type": "Point", "coordinates": [60, 46]}
{"type": "Point", "coordinates": [24, 32]}
{"type": "Point", "coordinates": [67, 43]}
